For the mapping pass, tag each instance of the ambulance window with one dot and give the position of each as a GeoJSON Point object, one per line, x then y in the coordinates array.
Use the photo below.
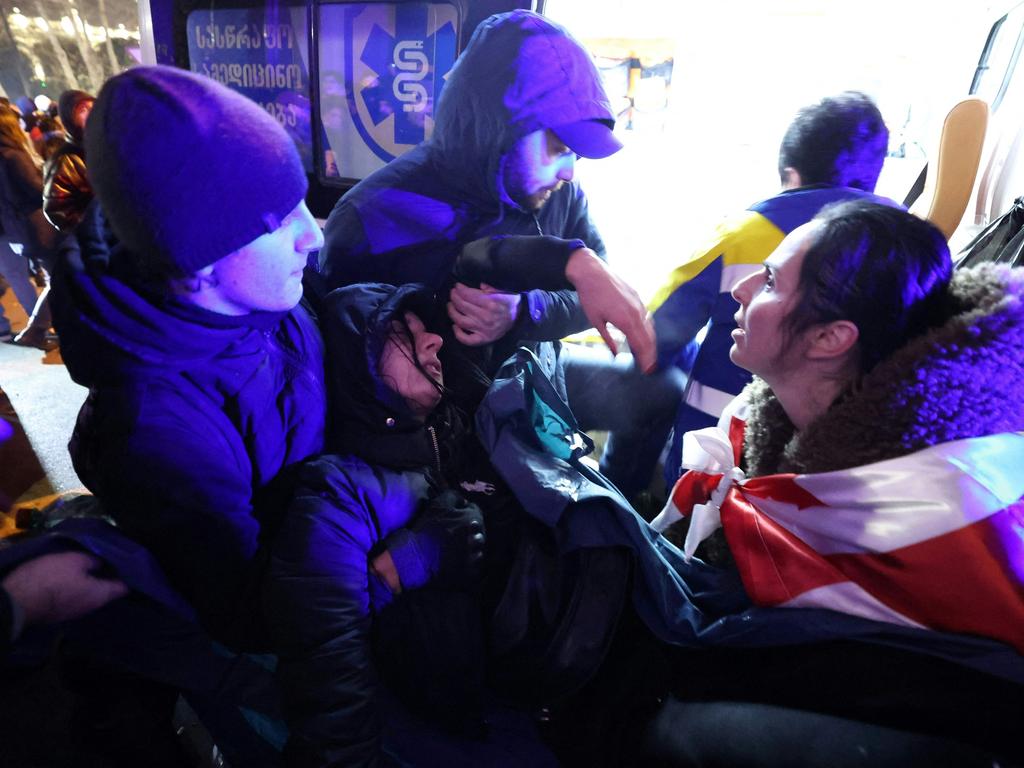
{"type": "Point", "coordinates": [261, 52]}
{"type": "Point", "coordinates": [381, 70]}
{"type": "Point", "coordinates": [999, 59]}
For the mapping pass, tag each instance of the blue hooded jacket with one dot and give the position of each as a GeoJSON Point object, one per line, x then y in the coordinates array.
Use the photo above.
{"type": "Point", "coordinates": [193, 426]}
{"type": "Point", "coordinates": [408, 221]}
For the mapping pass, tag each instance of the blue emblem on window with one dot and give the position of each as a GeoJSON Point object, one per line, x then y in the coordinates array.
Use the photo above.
{"type": "Point", "coordinates": [400, 55]}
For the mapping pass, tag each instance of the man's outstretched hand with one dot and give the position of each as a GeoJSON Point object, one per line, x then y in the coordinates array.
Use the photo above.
{"type": "Point", "coordinates": [607, 298]}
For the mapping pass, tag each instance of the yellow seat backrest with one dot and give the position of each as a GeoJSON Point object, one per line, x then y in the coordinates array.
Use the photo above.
{"type": "Point", "coordinates": [954, 168]}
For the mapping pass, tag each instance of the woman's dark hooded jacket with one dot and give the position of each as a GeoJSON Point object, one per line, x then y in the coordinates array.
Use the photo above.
{"type": "Point", "coordinates": [383, 467]}
{"type": "Point", "coordinates": [560, 541]}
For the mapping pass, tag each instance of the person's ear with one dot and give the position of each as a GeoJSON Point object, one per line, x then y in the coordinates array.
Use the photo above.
{"type": "Point", "coordinates": [830, 341]}
{"type": "Point", "coordinates": [791, 178]}
{"type": "Point", "coordinates": [205, 277]}
{"type": "Point", "coordinates": [197, 281]}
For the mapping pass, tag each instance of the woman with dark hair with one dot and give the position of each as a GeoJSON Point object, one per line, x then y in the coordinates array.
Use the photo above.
{"type": "Point", "coordinates": [21, 213]}
{"type": "Point", "coordinates": [381, 536]}
{"type": "Point", "coordinates": [378, 571]}
{"type": "Point", "coordinates": [872, 468]}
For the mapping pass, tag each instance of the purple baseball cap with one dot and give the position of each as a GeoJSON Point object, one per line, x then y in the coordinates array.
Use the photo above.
{"type": "Point", "coordinates": [592, 139]}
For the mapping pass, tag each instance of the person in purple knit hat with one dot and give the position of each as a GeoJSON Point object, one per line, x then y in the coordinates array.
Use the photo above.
{"type": "Point", "coordinates": [205, 373]}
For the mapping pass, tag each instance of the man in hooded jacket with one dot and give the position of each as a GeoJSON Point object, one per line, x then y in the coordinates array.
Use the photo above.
{"type": "Point", "coordinates": [522, 102]}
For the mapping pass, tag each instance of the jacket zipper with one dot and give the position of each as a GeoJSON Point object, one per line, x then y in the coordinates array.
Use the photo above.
{"type": "Point", "coordinates": [437, 451]}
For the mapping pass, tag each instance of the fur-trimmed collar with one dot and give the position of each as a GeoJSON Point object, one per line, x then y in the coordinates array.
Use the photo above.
{"type": "Point", "coordinates": [962, 379]}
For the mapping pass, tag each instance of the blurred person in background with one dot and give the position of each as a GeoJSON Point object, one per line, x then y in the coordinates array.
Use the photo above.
{"type": "Point", "coordinates": [51, 137]}
{"type": "Point", "coordinates": [66, 188]}
{"type": "Point", "coordinates": [21, 215]}
{"type": "Point", "coordinates": [31, 118]}
{"type": "Point", "coordinates": [23, 106]}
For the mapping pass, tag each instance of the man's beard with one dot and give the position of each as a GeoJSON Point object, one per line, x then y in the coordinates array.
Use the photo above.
{"type": "Point", "coordinates": [537, 200]}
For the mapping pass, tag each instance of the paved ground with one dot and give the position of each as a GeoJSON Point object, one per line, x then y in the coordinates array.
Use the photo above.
{"type": "Point", "coordinates": [39, 400]}
{"type": "Point", "coordinates": [38, 406]}
{"type": "Point", "coordinates": [46, 403]}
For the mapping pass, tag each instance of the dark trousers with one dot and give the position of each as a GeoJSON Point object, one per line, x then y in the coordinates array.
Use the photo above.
{"type": "Point", "coordinates": [726, 734]}
{"type": "Point", "coordinates": [636, 409]}
{"type": "Point", "coordinates": [840, 703]}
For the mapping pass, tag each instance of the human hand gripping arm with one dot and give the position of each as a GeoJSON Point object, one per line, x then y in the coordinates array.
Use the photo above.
{"type": "Point", "coordinates": [607, 298]}
{"type": "Point", "coordinates": [481, 315]}
{"type": "Point", "coordinates": [548, 263]}
{"type": "Point", "coordinates": [522, 279]}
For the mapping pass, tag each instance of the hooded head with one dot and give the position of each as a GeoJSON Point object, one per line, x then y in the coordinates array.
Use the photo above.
{"type": "Point", "coordinates": [186, 170]}
{"type": "Point", "coordinates": [520, 73]}
{"type": "Point", "coordinates": [356, 322]}
{"type": "Point", "coordinates": [73, 109]}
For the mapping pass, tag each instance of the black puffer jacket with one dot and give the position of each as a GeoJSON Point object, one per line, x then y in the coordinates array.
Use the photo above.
{"type": "Point", "coordinates": [322, 594]}
{"type": "Point", "coordinates": [66, 188]}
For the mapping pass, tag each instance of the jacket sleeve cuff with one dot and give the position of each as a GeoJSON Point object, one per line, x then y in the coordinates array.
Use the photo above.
{"type": "Point", "coordinates": [414, 566]}
{"type": "Point", "coordinates": [517, 263]}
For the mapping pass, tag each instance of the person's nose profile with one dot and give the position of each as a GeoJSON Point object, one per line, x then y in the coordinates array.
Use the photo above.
{"type": "Point", "coordinates": [568, 169]}
{"type": "Point", "coordinates": [433, 342]}
{"type": "Point", "coordinates": [740, 290]}
{"type": "Point", "coordinates": [311, 238]}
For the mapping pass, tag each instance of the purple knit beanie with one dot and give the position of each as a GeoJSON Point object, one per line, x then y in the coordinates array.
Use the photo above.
{"type": "Point", "coordinates": [187, 170]}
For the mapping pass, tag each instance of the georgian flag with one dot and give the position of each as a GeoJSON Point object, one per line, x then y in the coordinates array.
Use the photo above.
{"type": "Point", "coordinates": [934, 539]}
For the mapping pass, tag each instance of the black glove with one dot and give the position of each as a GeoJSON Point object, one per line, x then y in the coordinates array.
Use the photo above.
{"type": "Point", "coordinates": [443, 545]}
